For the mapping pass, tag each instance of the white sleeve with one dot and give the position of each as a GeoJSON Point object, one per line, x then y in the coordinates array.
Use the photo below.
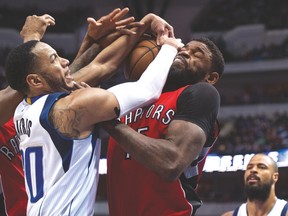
{"type": "Point", "coordinates": [148, 88]}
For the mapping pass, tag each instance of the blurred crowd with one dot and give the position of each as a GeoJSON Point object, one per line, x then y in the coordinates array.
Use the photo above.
{"type": "Point", "coordinates": [267, 93]}
{"type": "Point", "coordinates": [259, 133]}
{"type": "Point", "coordinates": [224, 15]}
{"type": "Point", "coordinates": [68, 20]}
{"type": "Point", "coordinates": [270, 52]}
{"type": "Point", "coordinates": [221, 15]}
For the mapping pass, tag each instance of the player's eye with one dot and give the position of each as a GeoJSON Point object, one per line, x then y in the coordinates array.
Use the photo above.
{"type": "Point", "coordinates": [198, 54]}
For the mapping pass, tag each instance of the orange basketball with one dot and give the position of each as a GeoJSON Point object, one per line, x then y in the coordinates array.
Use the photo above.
{"type": "Point", "coordinates": [139, 58]}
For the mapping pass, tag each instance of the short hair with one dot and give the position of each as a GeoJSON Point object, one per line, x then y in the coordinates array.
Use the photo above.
{"type": "Point", "coordinates": [273, 162]}
{"type": "Point", "coordinates": [19, 63]}
{"type": "Point", "coordinates": [217, 56]}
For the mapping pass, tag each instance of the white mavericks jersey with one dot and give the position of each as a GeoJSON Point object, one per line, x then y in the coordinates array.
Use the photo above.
{"type": "Point", "coordinates": [61, 174]}
{"type": "Point", "coordinates": [279, 209]}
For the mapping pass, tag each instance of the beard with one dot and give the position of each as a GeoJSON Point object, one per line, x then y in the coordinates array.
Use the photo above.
{"type": "Point", "coordinates": [258, 192]}
{"type": "Point", "coordinates": [56, 85]}
{"type": "Point", "coordinates": [182, 76]}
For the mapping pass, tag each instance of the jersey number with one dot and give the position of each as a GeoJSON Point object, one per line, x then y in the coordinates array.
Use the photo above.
{"type": "Point", "coordinates": [140, 130]}
{"type": "Point", "coordinates": [33, 166]}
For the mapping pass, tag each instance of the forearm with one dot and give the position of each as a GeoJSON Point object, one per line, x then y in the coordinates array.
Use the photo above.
{"type": "Point", "coordinates": [168, 157]}
{"type": "Point", "coordinates": [149, 87]}
{"type": "Point", "coordinates": [86, 43]}
{"type": "Point", "coordinates": [105, 64]}
{"type": "Point", "coordinates": [83, 60]}
{"type": "Point", "coordinates": [158, 155]}
{"type": "Point", "coordinates": [9, 100]}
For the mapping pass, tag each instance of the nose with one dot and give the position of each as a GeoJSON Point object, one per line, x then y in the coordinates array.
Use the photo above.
{"type": "Point", "coordinates": [65, 62]}
{"type": "Point", "coordinates": [184, 53]}
{"type": "Point", "coordinates": [253, 169]}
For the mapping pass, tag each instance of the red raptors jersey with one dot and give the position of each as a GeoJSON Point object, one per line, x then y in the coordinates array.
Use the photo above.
{"type": "Point", "coordinates": [11, 171]}
{"type": "Point", "coordinates": [133, 189]}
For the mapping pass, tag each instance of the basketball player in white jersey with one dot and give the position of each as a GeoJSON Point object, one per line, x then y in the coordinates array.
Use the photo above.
{"type": "Point", "coordinates": [260, 178]}
{"type": "Point", "coordinates": [59, 143]}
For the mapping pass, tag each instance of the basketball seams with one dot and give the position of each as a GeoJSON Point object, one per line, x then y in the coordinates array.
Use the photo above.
{"type": "Point", "coordinates": [143, 54]}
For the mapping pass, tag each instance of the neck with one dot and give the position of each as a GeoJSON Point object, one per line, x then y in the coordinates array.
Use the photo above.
{"type": "Point", "coordinates": [260, 208]}
{"type": "Point", "coordinates": [31, 100]}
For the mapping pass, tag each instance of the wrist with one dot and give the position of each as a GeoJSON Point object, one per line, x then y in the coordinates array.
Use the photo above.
{"type": "Point", "coordinates": [31, 37]}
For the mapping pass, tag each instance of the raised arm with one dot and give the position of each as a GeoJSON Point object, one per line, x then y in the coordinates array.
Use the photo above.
{"type": "Point", "coordinates": [110, 58]}
{"type": "Point", "coordinates": [35, 27]}
{"type": "Point", "coordinates": [100, 34]}
{"type": "Point", "coordinates": [102, 27]}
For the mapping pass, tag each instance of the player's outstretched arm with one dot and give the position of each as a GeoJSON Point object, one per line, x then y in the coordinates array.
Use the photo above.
{"type": "Point", "coordinates": [110, 58]}
{"type": "Point", "coordinates": [98, 29]}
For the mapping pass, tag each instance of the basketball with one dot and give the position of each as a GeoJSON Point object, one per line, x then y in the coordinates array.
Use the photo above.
{"type": "Point", "coordinates": [139, 58]}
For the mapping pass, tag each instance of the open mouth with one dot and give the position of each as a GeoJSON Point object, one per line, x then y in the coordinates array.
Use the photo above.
{"type": "Point", "coordinates": [68, 75]}
{"type": "Point", "coordinates": [179, 58]}
{"type": "Point", "coordinates": [252, 179]}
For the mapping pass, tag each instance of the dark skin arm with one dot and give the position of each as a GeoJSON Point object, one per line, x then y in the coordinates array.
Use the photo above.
{"type": "Point", "coordinates": [105, 64]}
{"type": "Point", "coordinates": [107, 24]}
{"type": "Point", "coordinates": [166, 157]}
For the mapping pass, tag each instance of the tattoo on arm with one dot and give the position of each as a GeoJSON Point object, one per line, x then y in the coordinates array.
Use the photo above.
{"type": "Point", "coordinates": [66, 121]}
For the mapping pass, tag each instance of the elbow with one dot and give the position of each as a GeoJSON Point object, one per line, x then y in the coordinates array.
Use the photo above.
{"type": "Point", "coordinates": [172, 173]}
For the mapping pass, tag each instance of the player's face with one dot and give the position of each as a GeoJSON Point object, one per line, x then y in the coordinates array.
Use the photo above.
{"type": "Point", "coordinates": [52, 69]}
{"type": "Point", "coordinates": [258, 177]}
{"type": "Point", "coordinates": [193, 62]}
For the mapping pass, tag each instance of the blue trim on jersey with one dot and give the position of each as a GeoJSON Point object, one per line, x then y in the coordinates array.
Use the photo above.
{"type": "Point", "coordinates": [95, 136]}
{"type": "Point", "coordinates": [236, 211]}
{"type": "Point", "coordinates": [64, 146]}
{"type": "Point", "coordinates": [284, 211]}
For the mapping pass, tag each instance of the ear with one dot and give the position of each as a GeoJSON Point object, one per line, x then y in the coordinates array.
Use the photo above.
{"type": "Point", "coordinates": [212, 78]}
{"type": "Point", "coordinates": [34, 80]}
{"type": "Point", "coordinates": [275, 177]}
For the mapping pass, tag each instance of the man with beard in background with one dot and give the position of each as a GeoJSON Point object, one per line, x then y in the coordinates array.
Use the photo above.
{"type": "Point", "coordinates": [260, 178]}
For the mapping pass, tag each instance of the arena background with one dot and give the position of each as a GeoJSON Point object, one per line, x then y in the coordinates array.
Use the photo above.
{"type": "Point", "coordinates": [253, 37]}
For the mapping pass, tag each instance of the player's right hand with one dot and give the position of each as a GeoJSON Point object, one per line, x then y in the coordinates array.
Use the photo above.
{"type": "Point", "coordinates": [108, 23]}
{"type": "Point", "coordinates": [35, 27]}
{"type": "Point", "coordinates": [161, 28]}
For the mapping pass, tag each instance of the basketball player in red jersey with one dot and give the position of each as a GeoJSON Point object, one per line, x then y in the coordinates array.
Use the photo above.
{"type": "Point", "coordinates": [155, 168]}
{"type": "Point", "coordinates": [11, 171]}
